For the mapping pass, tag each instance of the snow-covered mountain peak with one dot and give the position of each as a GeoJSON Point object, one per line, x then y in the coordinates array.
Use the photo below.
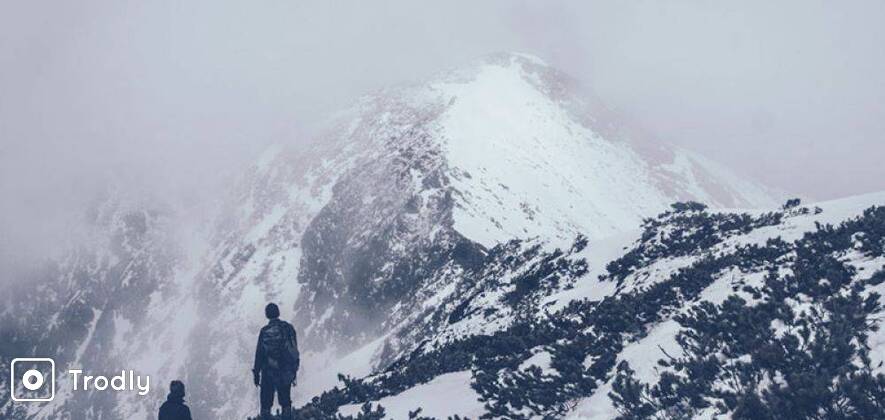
{"type": "Point", "coordinates": [528, 152]}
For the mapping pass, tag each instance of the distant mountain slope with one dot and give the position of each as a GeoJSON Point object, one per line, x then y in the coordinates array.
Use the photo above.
{"type": "Point", "coordinates": [94, 307]}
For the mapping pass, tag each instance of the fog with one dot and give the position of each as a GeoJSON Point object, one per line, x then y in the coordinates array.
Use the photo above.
{"type": "Point", "coordinates": [173, 97]}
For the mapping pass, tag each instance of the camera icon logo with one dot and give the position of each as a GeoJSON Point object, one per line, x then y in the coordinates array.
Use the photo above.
{"type": "Point", "coordinates": [32, 379]}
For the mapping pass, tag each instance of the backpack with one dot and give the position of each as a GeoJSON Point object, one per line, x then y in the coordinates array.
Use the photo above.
{"type": "Point", "coordinates": [278, 341]}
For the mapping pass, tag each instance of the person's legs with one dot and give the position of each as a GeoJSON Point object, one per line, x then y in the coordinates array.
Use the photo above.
{"type": "Point", "coordinates": [284, 397]}
{"type": "Point", "coordinates": [267, 391]}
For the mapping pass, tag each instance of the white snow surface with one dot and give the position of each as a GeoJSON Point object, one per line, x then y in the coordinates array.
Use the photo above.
{"type": "Point", "coordinates": [444, 396]}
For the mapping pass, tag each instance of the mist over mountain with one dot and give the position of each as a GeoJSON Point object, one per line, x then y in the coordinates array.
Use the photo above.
{"type": "Point", "coordinates": [177, 98]}
{"type": "Point", "coordinates": [491, 241]}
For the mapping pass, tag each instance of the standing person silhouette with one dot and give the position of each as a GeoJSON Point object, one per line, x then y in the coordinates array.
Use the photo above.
{"type": "Point", "coordinates": [174, 407]}
{"type": "Point", "coordinates": [276, 362]}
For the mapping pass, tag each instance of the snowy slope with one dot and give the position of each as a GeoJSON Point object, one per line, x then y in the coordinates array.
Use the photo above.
{"type": "Point", "coordinates": [637, 304]}
{"type": "Point", "coordinates": [644, 354]}
{"type": "Point", "coordinates": [443, 396]}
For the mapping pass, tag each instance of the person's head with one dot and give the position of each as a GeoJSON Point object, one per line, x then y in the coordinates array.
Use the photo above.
{"type": "Point", "coordinates": [272, 311]}
{"type": "Point", "coordinates": [176, 389]}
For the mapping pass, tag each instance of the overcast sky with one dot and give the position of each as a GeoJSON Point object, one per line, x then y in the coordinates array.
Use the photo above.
{"type": "Point", "coordinates": [172, 94]}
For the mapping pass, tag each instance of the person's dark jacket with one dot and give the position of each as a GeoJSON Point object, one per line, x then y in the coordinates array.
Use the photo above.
{"type": "Point", "coordinates": [174, 409]}
{"type": "Point", "coordinates": [281, 367]}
